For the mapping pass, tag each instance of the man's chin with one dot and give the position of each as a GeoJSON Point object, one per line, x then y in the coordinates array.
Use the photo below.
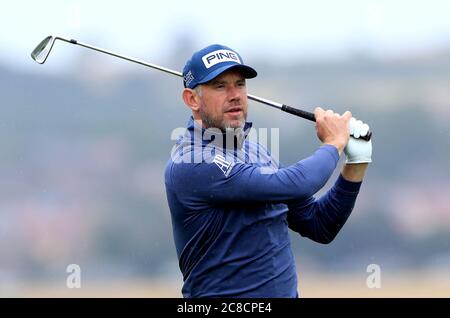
{"type": "Point", "coordinates": [225, 123]}
{"type": "Point", "coordinates": [235, 124]}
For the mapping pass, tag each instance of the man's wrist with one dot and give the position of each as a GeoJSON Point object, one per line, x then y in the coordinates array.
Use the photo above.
{"type": "Point", "coordinates": [337, 145]}
{"type": "Point", "coordinates": [354, 172]}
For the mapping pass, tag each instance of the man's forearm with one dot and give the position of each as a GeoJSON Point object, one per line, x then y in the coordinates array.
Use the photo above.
{"type": "Point", "coordinates": [354, 172]}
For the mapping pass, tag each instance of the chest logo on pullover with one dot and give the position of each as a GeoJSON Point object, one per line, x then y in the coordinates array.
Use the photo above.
{"type": "Point", "coordinates": [223, 165]}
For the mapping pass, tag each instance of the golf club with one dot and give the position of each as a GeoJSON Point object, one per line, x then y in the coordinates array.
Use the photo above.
{"type": "Point", "coordinates": [43, 49]}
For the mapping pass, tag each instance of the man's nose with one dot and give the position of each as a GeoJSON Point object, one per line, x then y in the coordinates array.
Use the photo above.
{"type": "Point", "coordinates": [233, 93]}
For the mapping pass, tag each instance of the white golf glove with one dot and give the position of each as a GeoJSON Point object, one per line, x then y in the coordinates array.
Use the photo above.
{"type": "Point", "coordinates": [358, 150]}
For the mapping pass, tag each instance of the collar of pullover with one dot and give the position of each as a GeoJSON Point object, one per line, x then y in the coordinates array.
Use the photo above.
{"type": "Point", "coordinates": [230, 139]}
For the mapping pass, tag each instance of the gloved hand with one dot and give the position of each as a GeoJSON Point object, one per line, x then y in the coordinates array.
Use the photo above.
{"type": "Point", "coordinates": [358, 150]}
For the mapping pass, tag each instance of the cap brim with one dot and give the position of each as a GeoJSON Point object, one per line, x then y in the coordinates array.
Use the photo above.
{"type": "Point", "coordinates": [245, 70]}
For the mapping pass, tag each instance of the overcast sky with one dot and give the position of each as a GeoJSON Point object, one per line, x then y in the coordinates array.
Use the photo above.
{"type": "Point", "coordinates": [268, 29]}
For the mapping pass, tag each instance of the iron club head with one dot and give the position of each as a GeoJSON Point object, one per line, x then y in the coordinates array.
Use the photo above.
{"type": "Point", "coordinates": [42, 50]}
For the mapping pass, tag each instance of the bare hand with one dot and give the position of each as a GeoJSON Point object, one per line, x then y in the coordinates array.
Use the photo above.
{"type": "Point", "coordinates": [332, 128]}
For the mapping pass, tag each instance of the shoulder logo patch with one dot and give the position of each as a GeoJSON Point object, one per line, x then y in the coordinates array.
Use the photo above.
{"type": "Point", "coordinates": [223, 165]}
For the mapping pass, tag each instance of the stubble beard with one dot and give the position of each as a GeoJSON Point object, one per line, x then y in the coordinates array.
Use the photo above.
{"type": "Point", "coordinates": [220, 123]}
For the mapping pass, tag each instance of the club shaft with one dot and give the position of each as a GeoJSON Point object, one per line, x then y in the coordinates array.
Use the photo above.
{"type": "Point", "coordinates": [126, 58]}
{"type": "Point", "coordinates": [291, 110]}
{"type": "Point", "coordinates": [265, 101]}
{"type": "Point", "coordinates": [164, 69]}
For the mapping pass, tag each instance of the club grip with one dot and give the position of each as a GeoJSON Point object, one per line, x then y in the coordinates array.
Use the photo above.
{"type": "Point", "coordinates": [298, 112]}
{"type": "Point", "coordinates": [311, 117]}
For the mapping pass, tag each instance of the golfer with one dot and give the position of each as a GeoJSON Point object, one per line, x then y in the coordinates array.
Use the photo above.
{"type": "Point", "coordinates": [231, 203]}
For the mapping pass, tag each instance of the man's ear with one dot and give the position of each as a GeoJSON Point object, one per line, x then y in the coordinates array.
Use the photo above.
{"type": "Point", "coordinates": [191, 99]}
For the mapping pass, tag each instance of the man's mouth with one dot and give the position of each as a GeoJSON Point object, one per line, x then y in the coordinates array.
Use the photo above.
{"type": "Point", "coordinates": [234, 110]}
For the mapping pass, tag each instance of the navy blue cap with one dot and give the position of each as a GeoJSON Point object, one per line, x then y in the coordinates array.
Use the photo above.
{"type": "Point", "coordinates": [210, 62]}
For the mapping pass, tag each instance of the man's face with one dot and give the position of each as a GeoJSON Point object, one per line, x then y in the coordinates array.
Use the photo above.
{"type": "Point", "coordinates": [223, 101]}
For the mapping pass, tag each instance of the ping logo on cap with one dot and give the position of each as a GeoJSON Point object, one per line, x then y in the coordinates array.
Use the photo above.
{"type": "Point", "coordinates": [220, 56]}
